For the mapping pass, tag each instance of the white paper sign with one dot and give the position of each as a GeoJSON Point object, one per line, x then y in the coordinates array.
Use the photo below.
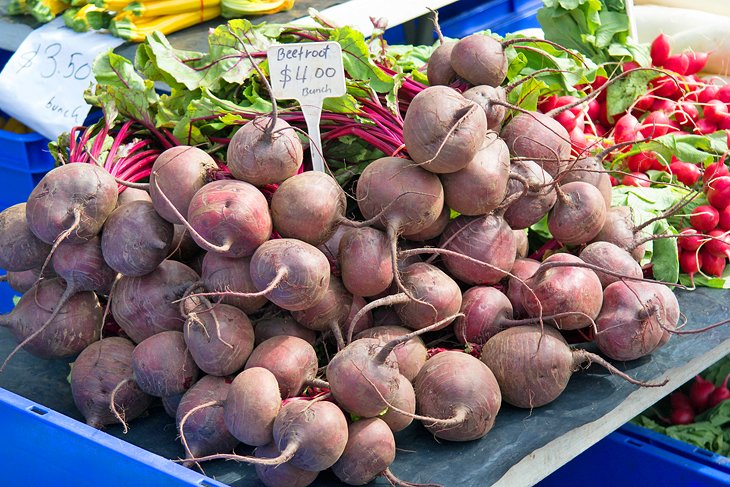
{"type": "Point", "coordinates": [43, 84]}
{"type": "Point", "coordinates": [308, 72]}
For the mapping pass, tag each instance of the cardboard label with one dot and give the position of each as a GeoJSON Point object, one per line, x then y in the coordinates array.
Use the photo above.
{"type": "Point", "coordinates": [43, 83]}
{"type": "Point", "coordinates": [308, 72]}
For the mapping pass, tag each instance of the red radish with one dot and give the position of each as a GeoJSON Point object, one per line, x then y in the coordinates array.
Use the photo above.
{"type": "Point", "coordinates": [723, 93]}
{"type": "Point", "coordinates": [715, 110]}
{"type": "Point", "coordinates": [720, 394]}
{"type": "Point", "coordinates": [697, 62]}
{"type": "Point", "coordinates": [594, 107]}
{"type": "Point", "coordinates": [705, 218]}
{"type": "Point", "coordinates": [724, 123]}
{"type": "Point", "coordinates": [665, 87]}
{"type": "Point", "coordinates": [719, 244]}
{"type": "Point", "coordinates": [718, 192]}
{"type": "Point", "coordinates": [626, 129]}
{"type": "Point", "coordinates": [682, 416]}
{"type": "Point", "coordinates": [567, 119]}
{"type": "Point", "coordinates": [641, 162]}
{"type": "Point", "coordinates": [711, 264]}
{"type": "Point", "coordinates": [630, 66]}
{"type": "Point", "coordinates": [644, 103]}
{"type": "Point", "coordinates": [680, 400]}
{"type": "Point", "coordinates": [708, 93]}
{"type": "Point", "coordinates": [699, 393]}
{"type": "Point", "coordinates": [655, 125]}
{"type": "Point", "coordinates": [636, 179]}
{"type": "Point", "coordinates": [686, 113]}
{"type": "Point", "coordinates": [677, 63]}
{"type": "Point", "coordinates": [725, 218]}
{"type": "Point", "coordinates": [687, 173]}
{"type": "Point", "coordinates": [660, 50]}
{"type": "Point", "coordinates": [664, 105]}
{"type": "Point", "coordinates": [548, 103]}
{"type": "Point", "coordinates": [690, 263]}
{"type": "Point", "coordinates": [715, 170]}
{"type": "Point", "coordinates": [705, 127]}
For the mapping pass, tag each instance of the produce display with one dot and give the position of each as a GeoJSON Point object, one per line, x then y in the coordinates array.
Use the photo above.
{"type": "Point", "coordinates": [490, 207]}
{"type": "Point", "coordinates": [133, 20]}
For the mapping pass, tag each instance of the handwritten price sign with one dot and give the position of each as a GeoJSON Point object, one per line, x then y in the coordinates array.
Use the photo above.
{"type": "Point", "coordinates": [43, 84]}
{"type": "Point", "coordinates": [309, 73]}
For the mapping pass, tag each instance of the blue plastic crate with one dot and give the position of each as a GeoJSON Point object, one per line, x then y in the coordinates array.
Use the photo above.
{"type": "Point", "coordinates": [465, 17]}
{"type": "Point", "coordinates": [47, 448]}
{"type": "Point", "coordinates": [638, 456]}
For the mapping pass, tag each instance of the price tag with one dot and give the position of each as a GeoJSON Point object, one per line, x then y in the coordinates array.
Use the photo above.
{"type": "Point", "coordinates": [43, 83]}
{"type": "Point", "coordinates": [308, 72]}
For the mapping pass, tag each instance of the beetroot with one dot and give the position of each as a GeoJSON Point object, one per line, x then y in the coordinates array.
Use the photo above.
{"type": "Point", "coordinates": [439, 70]}
{"type": "Point", "coordinates": [296, 273]}
{"type": "Point", "coordinates": [177, 174]}
{"type": "Point", "coordinates": [170, 404]}
{"type": "Point", "coordinates": [282, 475]}
{"type": "Point", "coordinates": [264, 151]}
{"type": "Point", "coordinates": [163, 365]}
{"type": "Point", "coordinates": [71, 202]}
{"type": "Point", "coordinates": [442, 130]}
{"type": "Point", "coordinates": [22, 281]}
{"type": "Point", "coordinates": [523, 269]}
{"type": "Point", "coordinates": [202, 428]}
{"type": "Point", "coordinates": [143, 306]}
{"type": "Point", "coordinates": [365, 250]}
{"type": "Point", "coordinates": [485, 311]}
{"type": "Point", "coordinates": [94, 375]}
{"type": "Point", "coordinates": [410, 355]}
{"type": "Point", "coordinates": [219, 338]}
{"type": "Point", "coordinates": [461, 392]}
{"type": "Point", "coordinates": [480, 59]}
{"type": "Point", "coordinates": [292, 361]}
{"type": "Point", "coordinates": [363, 377]}
{"type": "Point", "coordinates": [369, 451]}
{"type": "Point", "coordinates": [229, 217]}
{"type": "Point", "coordinates": [73, 328]}
{"type": "Point", "coordinates": [82, 266]}
{"type": "Point", "coordinates": [252, 405]}
{"type": "Point", "coordinates": [619, 229]}
{"type": "Point", "coordinates": [432, 231]}
{"type": "Point", "coordinates": [533, 365]}
{"type": "Point", "coordinates": [132, 194]}
{"type": "Point", "coordinates": [266, 328]}
{"type": "Point", "coordinates": [479, 187]}
{"type": "Point", "coordinates": [136, 239]}
{"type": "Point", "coordinates": [633, 320]}
{"type": "Point", "coordinates": [538, 137]}
{"type": "Point", "coordinates": [485, 96]}
{"type": "Point", "coordinates": [315, 431]}
{"type": "Point", "coordinates": [553, 290]}
{"type": "Point", "coordinates": [405, 400]}
{"type": "Point", "coordinates": [611, 257]}
{"type": "Point", "coordinates": [308, 207]}
{"type": "Point", "coordinates": [521, 243]}
{"type": "Point", "coordinates": [330, 312]}
{"type": "Point", "coordinates": [487, 239]}
{"type": "Point", "coordinates": [536, 202]}
{"type": "Point", "coordinates": [221, 273]}
{"type": "Point", "coordinates": [578, 215]}
{"type": "Point", "coordinates": [437, 297]}
{"type": "Point", "coordinates": [20, 250]}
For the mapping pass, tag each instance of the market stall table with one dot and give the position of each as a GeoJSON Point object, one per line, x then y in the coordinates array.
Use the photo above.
{"type": "Point", "coordinates": [524, 446]}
